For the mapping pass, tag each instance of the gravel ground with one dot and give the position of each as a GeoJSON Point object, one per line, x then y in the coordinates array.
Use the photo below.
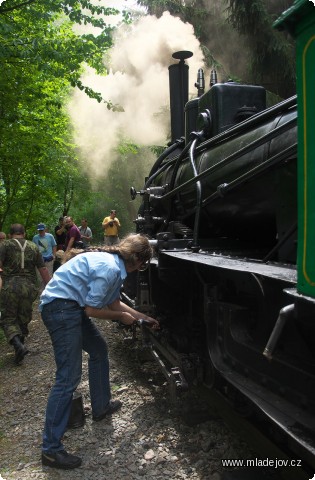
{"type": "Point", "coordinates": [146, 439]}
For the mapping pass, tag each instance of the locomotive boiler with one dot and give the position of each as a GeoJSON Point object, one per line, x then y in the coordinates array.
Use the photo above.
{"type": "Point", "coordinates": [231, 230]}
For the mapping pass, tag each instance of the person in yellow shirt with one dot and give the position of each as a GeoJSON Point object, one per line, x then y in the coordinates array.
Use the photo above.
{"type": "Point", "coordinates": [111, 227]}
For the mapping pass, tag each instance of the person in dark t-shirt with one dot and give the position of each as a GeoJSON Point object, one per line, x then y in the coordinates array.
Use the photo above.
{"type": "Point", "coordinates": [60, 234]}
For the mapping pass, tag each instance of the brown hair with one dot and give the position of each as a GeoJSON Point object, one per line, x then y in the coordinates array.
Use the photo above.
{"type": "Point", "coordinates": [17, 229]}
{"type": "Point", "coordinates": [132, 249]}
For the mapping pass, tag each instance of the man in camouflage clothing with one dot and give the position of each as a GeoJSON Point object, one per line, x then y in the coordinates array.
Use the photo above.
{"type": "Point", "coordinates": [18, 261]}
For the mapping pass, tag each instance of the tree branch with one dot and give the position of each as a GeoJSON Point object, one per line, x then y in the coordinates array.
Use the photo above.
{"type": "Point", "coordinates": [16, 7]}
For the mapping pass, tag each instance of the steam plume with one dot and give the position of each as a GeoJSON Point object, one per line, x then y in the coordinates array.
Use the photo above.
{"type": "Point", "coordinates": [138, 82]}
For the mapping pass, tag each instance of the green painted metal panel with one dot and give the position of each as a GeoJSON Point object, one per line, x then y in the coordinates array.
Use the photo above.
{"type": "Point", "coordinates": [300, 21]}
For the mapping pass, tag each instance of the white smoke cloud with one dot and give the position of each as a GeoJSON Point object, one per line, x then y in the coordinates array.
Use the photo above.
{"type": "Point", "coordinates": [138, 81]}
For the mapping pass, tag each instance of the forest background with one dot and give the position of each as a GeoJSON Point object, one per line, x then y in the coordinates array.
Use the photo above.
{"type": "Point", "coordinates": [47, 53]}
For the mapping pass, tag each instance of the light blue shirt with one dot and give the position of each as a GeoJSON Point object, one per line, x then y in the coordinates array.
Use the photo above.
{"type": "Point", "coordinates": [91, 278]}
{"type": "Point", "coordinates": [45, 244]}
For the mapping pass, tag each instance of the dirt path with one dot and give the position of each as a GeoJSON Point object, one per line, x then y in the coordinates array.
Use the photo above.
{"type": "Point", "coordinates": [144, 440]}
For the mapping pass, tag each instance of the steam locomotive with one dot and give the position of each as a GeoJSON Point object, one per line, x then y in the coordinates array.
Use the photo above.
{"type": "Point", "coordinates": [232, 282]}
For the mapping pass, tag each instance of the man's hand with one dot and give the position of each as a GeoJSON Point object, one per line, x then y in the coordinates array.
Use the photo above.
{"type": "Point", "coordinates": [151, 322]}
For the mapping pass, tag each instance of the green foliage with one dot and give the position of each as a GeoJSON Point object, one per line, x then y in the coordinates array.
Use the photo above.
{"type": "Point", "coordinates": [40, 35]}
{"type": "Point", "coordinates": [272, 53]}
{"type": "Point", "coordinates": [157, 150]}
{"type": "Point", "coordinates": [41, 59]}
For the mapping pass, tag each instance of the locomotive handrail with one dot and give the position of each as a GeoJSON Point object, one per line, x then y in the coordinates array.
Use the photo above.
{"type": "Point", "coordinates": [252, 173]}
{"type": "Point", "coordinates": [256, 143]}
{"type": "Point", "coordinates": [177, 144]}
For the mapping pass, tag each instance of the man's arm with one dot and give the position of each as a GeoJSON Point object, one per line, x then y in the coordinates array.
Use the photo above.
{"type": "Point", "coordinates": [108, 314]}
{"type": "Point", "coordinates": [106, 222]}
{"type": "Point", "coordinates": [53, 245]}
{"type": "Point", "coordinates": [121, 312]}
{"type": "Point", "coordinates": [123, 307]}
{"type": "Point", "coordinates": [44, 274]}
{"type": "Point", "coordinates": [70, 244]}
{"type": "Point", "coordinates": [61, 230]}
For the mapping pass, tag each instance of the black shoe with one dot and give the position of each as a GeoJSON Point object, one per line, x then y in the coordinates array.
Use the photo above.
{"type": "Point", "coordinates": [113, 406]}
{"type": "Point", "coordinates": [61, 459]}
{"type": "Point", "coordinates": [20, 349]}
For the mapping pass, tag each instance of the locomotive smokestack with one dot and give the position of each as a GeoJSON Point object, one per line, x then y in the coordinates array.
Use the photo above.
{"type": "Point", "coordinates": [178, 80]}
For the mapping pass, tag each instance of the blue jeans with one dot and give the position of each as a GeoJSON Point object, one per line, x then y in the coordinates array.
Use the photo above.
{"type": "Point", "coordinates": [71, 331]}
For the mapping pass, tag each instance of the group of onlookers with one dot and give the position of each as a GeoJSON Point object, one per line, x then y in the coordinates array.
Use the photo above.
{"type": "Point", "coordinates": [27, 266]}
{"type": "Point", "coordinates": [67, 234]}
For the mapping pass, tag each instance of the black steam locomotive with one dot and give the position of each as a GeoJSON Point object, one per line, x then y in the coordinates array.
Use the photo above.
{"type": "Point", "coordinates": [221, 207]}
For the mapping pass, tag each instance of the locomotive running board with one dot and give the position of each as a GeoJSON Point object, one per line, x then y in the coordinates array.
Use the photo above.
{"type": "Point", "coordinates": [276, 271]}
